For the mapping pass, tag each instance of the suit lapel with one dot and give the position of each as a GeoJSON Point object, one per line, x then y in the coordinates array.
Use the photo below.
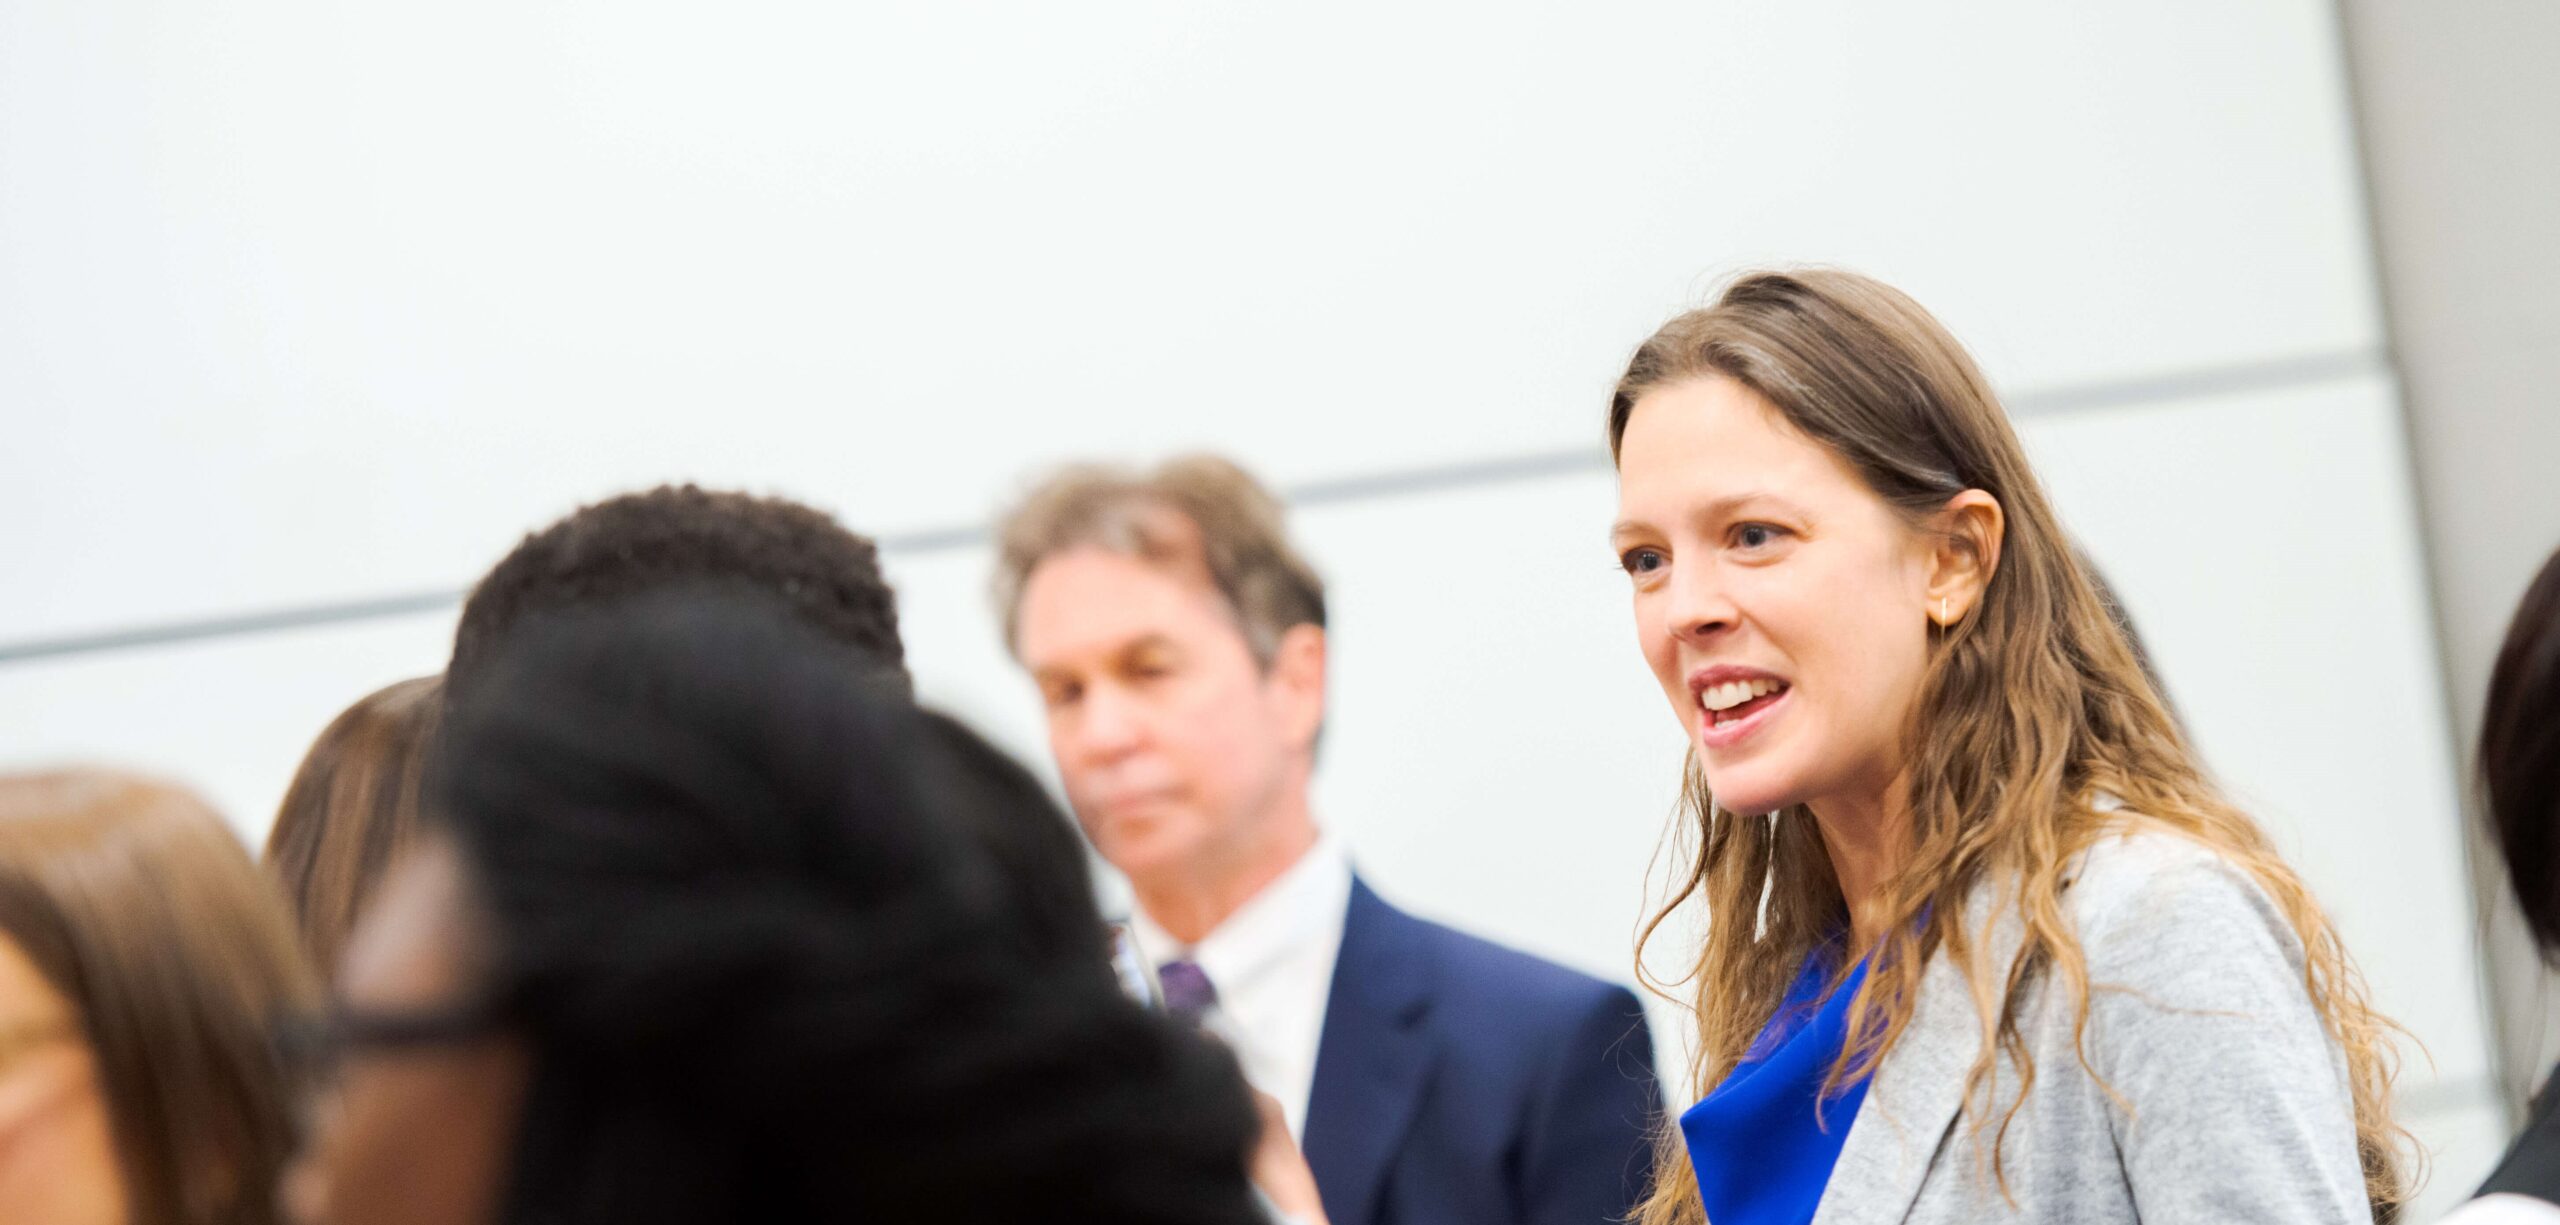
{"type": "Point", "coordinates": [1917, 1092]}
{"type": "Point", "coordinates": [1373, 1060]}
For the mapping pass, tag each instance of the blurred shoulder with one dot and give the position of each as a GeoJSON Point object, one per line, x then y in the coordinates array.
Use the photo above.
{"type": "Point", "coordinates": [2146, 891]}
{"type": "Point", "coordinates": [1471, 969]}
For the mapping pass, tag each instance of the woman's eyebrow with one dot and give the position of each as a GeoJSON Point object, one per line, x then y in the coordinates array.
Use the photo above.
{"type": "Point", "coordinates": [1720, 508]}
{"type": "Point", "coordinates": [1730, 503]}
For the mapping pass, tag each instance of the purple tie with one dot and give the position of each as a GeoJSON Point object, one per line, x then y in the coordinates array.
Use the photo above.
{"type": "Point", "coordinates": [1187, 993]}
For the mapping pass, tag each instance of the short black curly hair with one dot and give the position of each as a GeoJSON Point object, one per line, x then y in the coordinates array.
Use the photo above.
{"type": "Point", "coordinates": [746, 918]}
{"type": "Point", "coordinates": [685, 536]}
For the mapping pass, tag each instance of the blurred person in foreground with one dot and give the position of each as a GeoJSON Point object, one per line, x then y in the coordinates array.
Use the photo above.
{"type": "Point", "coordinates": [2003, 952]}
{"type": "Point", "coordinates": [352, 807]}
{"type": "Point", "coordinates": [353, 802]}
{"type": "Point", "coordinates": [797, 560]}
{"type": "Point", "coordinates": [1178, 642]}
{"type": "Point", "coordinates": [144, 965]}
{"type": "Point", "coordinates": [2520, 792]}
{"type": "Point", "coordinates": [695, 935]}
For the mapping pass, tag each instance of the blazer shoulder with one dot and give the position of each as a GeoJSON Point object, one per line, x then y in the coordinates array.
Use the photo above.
{"type": "Point", "coordinates": [1484, 974]}
{"type": "Point", "coordinates": [2143, 888]}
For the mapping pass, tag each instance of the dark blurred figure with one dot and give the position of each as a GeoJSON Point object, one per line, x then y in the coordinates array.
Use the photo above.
{"type": "Point", "coordinates": [677, 536]}
{"type": "Point", "coordinates": [1034, 846]}
{"type": "Point", "coordinates": [2520, 793]}
{"type": "Point", "coordinates": [800, 561]}
{"type": "Point", "coordinates": [143, 965]}
{"type": "Point", "coordinates": [352, 806]}
{"type": "Point", "coordinates": [699, 934]}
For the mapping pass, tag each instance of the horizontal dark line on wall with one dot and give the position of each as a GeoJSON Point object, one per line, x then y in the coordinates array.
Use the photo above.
{"type": "Point", "coordinates": [2306, 370]}
{"type": "Point", "coordinates": [2277, 374]}
{"type": "Point", "coordinates": [305, 616]}
{"type": "Point", "coordinates": [379, 608]}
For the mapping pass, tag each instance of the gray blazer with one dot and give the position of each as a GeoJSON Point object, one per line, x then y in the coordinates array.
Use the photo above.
{"type": "Point", "coordinates": [2239, 1107]}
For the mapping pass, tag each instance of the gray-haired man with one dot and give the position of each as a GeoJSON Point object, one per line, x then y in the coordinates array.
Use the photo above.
{"type": "Point", "coordinates": [1178, 640]}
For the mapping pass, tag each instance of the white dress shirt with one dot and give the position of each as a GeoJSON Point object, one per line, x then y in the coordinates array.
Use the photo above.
{"type": "Point", "coordinates": [1271, 963]}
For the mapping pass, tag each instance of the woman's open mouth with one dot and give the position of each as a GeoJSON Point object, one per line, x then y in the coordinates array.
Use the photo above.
{"type": "Point", "coordinates": [1730, 710]}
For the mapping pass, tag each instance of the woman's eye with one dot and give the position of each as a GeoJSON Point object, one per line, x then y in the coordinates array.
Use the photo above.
{"type": "Point", "coordinates": [1641, 561]}
{"type": "Point", "coordinates": [1757, 535]}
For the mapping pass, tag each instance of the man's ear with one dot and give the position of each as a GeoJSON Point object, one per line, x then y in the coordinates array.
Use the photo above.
{"type": "Point", "coordinates": [1297, 680]}
{"type": "Point", "coordinates": [1966, 552]}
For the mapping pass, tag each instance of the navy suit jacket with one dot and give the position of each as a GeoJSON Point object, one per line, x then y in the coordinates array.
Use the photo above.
{"type": "Point", "coordinates": [1460, 1083]}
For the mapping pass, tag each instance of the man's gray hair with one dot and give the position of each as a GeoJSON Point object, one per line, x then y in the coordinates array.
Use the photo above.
{"type": "Point", "coordinates": [1195, 510]}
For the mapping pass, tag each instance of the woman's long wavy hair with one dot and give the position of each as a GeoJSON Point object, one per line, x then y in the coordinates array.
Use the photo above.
{"type": "Point", "coordinates": [2033, 701]}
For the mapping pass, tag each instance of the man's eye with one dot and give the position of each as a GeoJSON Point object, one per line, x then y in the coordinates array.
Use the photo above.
{"type": "Point", "coordinates": [1644, 560]}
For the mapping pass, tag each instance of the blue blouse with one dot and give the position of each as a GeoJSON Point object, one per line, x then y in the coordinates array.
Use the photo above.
{"type": "Point", "coordinates": [1761, 1155]}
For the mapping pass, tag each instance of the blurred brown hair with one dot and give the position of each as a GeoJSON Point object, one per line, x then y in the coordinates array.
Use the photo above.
{"type": "Point", "coordinates": [1196, 510]}
{"type": "Point", "coordinates": [144, 911]}
{"type": "Point", "coordinates": [352, 805]}
{"type": "Point", "coordinates": [2520, 755]}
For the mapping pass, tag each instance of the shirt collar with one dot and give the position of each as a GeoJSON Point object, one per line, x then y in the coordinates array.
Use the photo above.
{"type": "Point", "coordinates": [1299, 905]}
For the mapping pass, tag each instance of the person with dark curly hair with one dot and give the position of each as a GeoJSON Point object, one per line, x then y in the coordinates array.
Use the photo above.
{"type": "Point", "coordinates": [686, 536]}
{"type": "Point", "coordinates": [798, 559]}
{"type": "Point", "coordinates": [695, 935]}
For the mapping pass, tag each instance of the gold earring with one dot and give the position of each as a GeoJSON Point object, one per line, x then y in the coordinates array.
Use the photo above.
{"type": "Point", "coordinates": [1942, 610]}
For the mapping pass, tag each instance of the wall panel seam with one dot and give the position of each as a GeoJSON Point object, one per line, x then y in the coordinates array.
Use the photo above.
{"type": "Point", "coordinates": [2278, 374]}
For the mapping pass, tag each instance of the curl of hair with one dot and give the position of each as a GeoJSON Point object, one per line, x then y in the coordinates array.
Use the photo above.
{"type": "Point", "coordinates": [768, 964]}
{"type": "Point", "coordinates": [2034, 703]}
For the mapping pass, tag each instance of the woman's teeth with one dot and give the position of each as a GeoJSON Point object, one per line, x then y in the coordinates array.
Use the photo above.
{"type": "Point", "coordinates": [1734, 693]}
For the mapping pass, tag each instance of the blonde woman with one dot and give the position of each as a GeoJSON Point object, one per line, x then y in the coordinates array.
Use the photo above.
{"type": "Point", "coordinates": [1984, 943]}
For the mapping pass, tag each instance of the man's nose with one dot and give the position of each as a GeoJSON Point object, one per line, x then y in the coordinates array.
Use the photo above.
{"type": "Point", "coordinates": [1110, 725]}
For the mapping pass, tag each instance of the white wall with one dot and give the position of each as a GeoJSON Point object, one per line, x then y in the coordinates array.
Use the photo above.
{"type": "Point", "coordinates": [303, 304]}
{"type": "Point", "coordinates": [2458, 106]}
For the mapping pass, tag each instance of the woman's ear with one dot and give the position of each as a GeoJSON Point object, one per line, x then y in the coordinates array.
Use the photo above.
{"type": "Point", "coordinates": [1968, 532]}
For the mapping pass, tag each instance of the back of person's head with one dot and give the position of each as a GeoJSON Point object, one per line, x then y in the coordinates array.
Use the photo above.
{"type": "Point", "coordinates": [351, 807]}
{"type": "Point", "coordinates": [766, 964]}
{"type": "Point", "coordinates": [1196, 513]}
{"type": "Point", "coordinates": [144, 913]}
{"type": "Point", "coordinates": [2520, 755]}
{"type": "Point", "coordinates": [1039, 860]}
{"type": "Point", "coordinates": [678, 536]}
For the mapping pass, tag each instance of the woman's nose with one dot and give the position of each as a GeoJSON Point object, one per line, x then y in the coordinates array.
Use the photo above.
{"type": "Point", "coordinates": [1701, 607]}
